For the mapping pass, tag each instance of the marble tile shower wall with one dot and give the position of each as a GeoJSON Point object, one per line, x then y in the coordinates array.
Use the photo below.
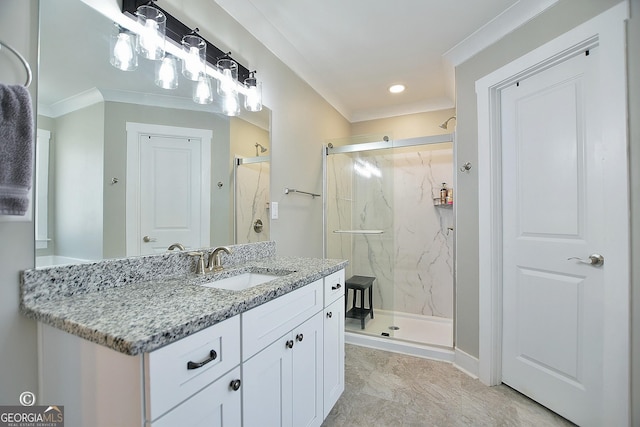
{"type": "Point", "coordinates": [253, 199]}
{"type": "Point", "coordinates": [413, 258]}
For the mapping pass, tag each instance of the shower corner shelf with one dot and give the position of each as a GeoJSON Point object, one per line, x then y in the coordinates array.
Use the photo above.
{"type": "Point", "coordinates": [438, 203]}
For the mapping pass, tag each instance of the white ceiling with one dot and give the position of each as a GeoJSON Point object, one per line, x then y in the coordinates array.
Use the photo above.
{"type": "Point", "coordinates": [352, 51]}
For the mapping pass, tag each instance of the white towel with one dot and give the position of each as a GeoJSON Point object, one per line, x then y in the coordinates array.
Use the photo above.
{"type": "Point", "coordinates": [16, 149]}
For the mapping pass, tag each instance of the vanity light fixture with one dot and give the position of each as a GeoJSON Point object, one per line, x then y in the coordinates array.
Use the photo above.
{"type": "Point", "coordinates": [151, 38]}
{"type": "Point", "coordinates": [124, 55]}
{"type": "Point", "coordinates": [201, 60]}
{"type": "Point", "coordinates": [202, 93]}
{"type": "Point", "coordinates": [253, 97]}
{"type": "Point", "coordinates": [167, 72]}
{"type": "Point", "coordinates": [194, 61]}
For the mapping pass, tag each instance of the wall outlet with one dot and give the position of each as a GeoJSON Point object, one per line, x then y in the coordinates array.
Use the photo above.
{"type": "Point", "coordinates": [274, 210]}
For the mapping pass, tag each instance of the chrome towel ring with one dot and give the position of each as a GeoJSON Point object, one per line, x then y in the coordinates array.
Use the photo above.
{"type": "Point", "coordinates": [22, 59]}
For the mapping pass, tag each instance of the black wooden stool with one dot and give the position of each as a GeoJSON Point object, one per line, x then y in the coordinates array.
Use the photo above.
{"type": "Point", "coordinates": [359, 283]}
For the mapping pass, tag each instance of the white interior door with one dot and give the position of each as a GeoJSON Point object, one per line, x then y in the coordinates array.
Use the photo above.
{"type": "Point", "coordinates": [168, 188]}
{"type": "Point", "coordinates": [169, 192]}
{"type": "Point", "coordinates": [553, 210]}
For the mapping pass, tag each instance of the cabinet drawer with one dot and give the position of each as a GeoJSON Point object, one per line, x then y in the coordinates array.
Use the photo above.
{"type": "Point", "coordinates": [264, 324]}
{"type": "Point", "coordinates": [333, 287]}
{"type": "Point", "coordinates": [168, 378]}
{"type": "Point", "coordinates": [218, 405]}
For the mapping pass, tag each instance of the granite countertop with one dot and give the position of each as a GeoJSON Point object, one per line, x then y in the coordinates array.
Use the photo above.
{"type": "Point", "coordinates": [142, 316]}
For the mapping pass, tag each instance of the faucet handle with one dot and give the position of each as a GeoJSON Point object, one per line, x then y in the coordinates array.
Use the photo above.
{"type": "Point", "coordinates": [200, 265]}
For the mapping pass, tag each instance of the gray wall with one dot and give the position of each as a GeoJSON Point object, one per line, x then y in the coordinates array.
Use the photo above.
{"type": "Point", "coordinates": [18, 350]}
{"type": "Point", "coordinates": [301, 122]}
{"type": "Point", "coordinates": [78, 181]}
{"type": "Point", "coordinates": [565, 15]}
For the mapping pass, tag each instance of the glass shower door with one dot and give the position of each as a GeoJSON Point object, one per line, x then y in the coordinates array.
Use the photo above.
{"type": "Point", "coordinates": [360, 228]}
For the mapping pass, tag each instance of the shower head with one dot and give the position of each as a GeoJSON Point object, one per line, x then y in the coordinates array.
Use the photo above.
{"type": "Point", "coordinates": [262, 149]}
{"type": "Point", "coordinates": [446, 122]}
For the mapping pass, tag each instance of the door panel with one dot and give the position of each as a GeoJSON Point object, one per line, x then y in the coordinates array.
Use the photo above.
{"type": "Point", "coordinates": [170, 169]}
{"type": "Point", "coordinates": [552, 211]}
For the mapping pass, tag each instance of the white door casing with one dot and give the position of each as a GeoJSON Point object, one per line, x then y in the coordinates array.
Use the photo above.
{"type": "Point", "coordinates": [605, 31]}
{"type": "Point", "coordinates": [172, 158]}
{"type": "Point", "coordinates": [552, 211]}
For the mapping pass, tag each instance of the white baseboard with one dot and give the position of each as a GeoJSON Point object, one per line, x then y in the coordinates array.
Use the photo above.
{"type": "Point", "coordinates": [466, 363]}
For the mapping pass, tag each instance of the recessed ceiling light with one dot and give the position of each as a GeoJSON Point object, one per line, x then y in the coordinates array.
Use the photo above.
{"type": "Point", "coordinates": [396, 88]}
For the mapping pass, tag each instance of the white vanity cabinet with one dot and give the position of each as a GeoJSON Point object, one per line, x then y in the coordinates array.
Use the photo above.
{"type": "Point", "coordinates": [101, 387]}
{"type": "Point", "coordinates": [333, 344]}
{"type": "Point", "coordinates": [283, 383]}
{"type": "Point", "coordinates": [283, 360]}
{"type": "Point", "coordinates": [278, 364]}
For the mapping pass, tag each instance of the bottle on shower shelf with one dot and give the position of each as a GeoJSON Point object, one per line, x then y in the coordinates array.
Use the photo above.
{"type": "Point", "coordinates": [450, 196]}
{"type": "Point", "coordinates": [443, 194]}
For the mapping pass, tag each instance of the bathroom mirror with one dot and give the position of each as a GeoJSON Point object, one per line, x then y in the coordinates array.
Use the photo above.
{"type": "Point", "coordinates": [84, 105]}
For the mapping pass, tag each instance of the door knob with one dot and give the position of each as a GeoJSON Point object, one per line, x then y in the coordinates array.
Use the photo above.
{"type": "Point", "coordinates": [148, 239]}
{"type": "Point", "coordinates": [594, 259]}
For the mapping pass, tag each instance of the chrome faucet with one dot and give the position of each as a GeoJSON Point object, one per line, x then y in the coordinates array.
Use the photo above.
{"type": "Point", "coordinates": [215, 263]}
{"type": "Point", "coordinates": [178, 246]}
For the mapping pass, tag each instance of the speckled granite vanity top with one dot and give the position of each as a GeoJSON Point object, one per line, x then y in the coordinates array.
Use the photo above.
{"type": "Point", "coordinates": [139, 304]}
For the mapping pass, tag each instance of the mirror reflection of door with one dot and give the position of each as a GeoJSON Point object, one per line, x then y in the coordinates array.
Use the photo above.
{"type": "Point", "coordinates": [170, 168]}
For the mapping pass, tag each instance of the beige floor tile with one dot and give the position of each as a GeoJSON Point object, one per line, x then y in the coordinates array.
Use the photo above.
{"type": "Point", "coordinates": [389, 389]}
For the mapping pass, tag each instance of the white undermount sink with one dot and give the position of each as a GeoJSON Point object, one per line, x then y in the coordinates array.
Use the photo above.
{"type": "Point", "coordinates": [242, 281]}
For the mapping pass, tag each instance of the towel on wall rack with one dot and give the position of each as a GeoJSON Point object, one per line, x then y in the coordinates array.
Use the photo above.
{"type": "Point", "coordinates": [16, 149]}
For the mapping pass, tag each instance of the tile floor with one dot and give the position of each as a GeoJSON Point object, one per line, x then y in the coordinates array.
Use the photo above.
{"type": "Point", "coordinates": [389, 389]}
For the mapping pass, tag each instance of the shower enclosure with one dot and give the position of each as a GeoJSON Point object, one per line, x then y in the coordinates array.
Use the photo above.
{"type": "Point", "coordinates": [251, 199]}
{"type": "Point", "coordinates": [384, 214]}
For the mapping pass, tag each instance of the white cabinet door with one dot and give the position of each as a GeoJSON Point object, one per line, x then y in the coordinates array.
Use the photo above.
{"type": "Point", "coordinates": [266, 392]}
{"type": "Point", "coordinates": [282, 385]}
{"type": "Point", "coordinates": [333, 353]}
{"type": "Point", "coordinates": [307, 373]}
{"type": "Point", "coordinates": [218, 404]}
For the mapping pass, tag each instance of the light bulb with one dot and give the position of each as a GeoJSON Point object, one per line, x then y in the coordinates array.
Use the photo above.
{"type": "Point", "coordinates": [123, 54]}
{"type": "Point", "coordinates": [167, 73]}
{"type": "Point", "coordinates": [151, 37]}
{"type": "Point", "coordinates": [202, 91]}
{"type": "Point", "coordinates": [195, 56]}
{"type": "Point", "coordinates": [192, 62]}
{"type": "Point", "coordinates": [230, 104]}
{"type": "Point", "coordinates": [253, 96]}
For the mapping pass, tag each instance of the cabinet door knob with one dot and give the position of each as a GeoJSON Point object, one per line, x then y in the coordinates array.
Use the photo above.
{"type": "Point", "coordinates": [299, 337]}
{"type": "Point", "coordinates": [336, 287]}
{"type": "Point", "coordinates": [235, 385]}
{"type": "Point", "coordinates": [329, 314]}
{"type": "Point", "coordinates": [289, 344]}
{"type": "Point", "coordinates": [195, 365]}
